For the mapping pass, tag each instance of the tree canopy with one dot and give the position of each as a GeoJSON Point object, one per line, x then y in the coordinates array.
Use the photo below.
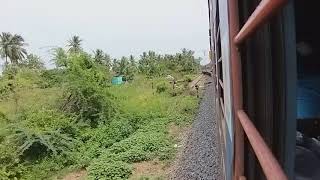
{"type": "Point", "coordinates": [12, 47]}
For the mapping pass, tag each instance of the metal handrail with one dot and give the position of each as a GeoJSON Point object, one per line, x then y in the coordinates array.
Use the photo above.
{"type": "Point", "coordinates": [268, 162]}
{"type": "Point", "coordinates": [265, 9]}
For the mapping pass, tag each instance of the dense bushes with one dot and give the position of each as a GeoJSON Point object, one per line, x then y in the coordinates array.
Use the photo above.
{"type": "Point", "coordinates": [34, 136]}
{"type": "Point", "coordinates": [149, 142]}
{"type": "Point", "coordinates": [109, 170]}
{"type": "Point", "coordinates": [86, 92]}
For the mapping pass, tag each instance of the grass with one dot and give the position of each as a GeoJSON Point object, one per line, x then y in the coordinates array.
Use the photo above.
{"type": "Point", "coordinates": [30, 97]}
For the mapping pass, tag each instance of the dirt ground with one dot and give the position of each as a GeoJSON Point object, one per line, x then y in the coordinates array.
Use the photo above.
{"type": "Point", "coordinates": [156, 170]}
{"type": "Point", "coordinates": [76, 175]}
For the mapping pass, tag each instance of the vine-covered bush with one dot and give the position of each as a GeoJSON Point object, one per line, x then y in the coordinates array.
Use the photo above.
{"type": "Point", "coordinates": [86, 92]}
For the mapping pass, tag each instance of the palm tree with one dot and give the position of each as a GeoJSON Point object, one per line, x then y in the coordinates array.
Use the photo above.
{"type": "Point", "coordinates": [60, 57]}
{"type": "Point", "coordinates": [74, 44]}
{"type": "Point", "coordinates": [99, 56]}
{"type": "Point", "coordinates": [12, 47]}
{"type": "Point", "coordinates": [102, 58]}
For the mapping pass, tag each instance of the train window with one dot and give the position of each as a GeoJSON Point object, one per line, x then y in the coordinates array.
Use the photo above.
{"type": "Point", "coordinates": [307, 163]}
{"type": "Point", "coordinates": [219, 62]}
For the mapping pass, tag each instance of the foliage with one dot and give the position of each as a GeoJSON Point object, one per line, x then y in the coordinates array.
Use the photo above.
{"type": "Point", "coordinates": [72, 117]}
{"type": "Point", "coordinates": [35, 135]}
{"type": "Point", "coordinates": [188, 78]}
{"type": "Point", "coordinates": [178, 90]}
{"type": "Point", "coordinates": [149, 64]}
{"type": "Point", "coordinates": [86, 92]}
{"type": "Point", "coordinates": [52, 77]}
{"type": "Point", "coordinates": [109, 170]}
{"type": "Point", "coordinates": [153, 64]}
{"type": "Point", "coordinates": [12, 47]}
{"type": "Point", "coordinates": [125, 67]}
{"type": "Point", "coordinates": [102, 58]}
{"type": "Point", "coordinates": [33, 62]}
{"type": "Point", "coordinates": [74, 44]}
{"type": "Point", "coordinates": [41, 131]}
{"type": "Point", "coordinates": [162, 87]}
{"type": "Point", "coordinates": [60, 57]}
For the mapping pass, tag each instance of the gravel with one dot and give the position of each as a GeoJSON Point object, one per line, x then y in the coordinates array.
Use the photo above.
{"type": "Point", "coordinates": [200, 157]}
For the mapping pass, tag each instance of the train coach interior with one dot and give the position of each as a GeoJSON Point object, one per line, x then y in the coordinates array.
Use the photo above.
{"type": "Point", "coordinates": [307, 159]}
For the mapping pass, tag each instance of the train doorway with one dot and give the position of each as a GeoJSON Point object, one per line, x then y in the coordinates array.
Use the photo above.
{"type": "Point", "coordinates": [307, 159]}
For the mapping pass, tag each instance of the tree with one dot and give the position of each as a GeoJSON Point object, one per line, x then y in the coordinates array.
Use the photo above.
{"type": "Point", "coordinates": [115, 66]}
{"type": "Point", "coordinates": [188, 62]}
{"type": "Point", "coordinates": [123, 66]}
{"type": "Point", "coordinates": [99, 56]}
{"type": "Point", "coordinates": [133, 64]}
{"type": "Point", "coordinates": [107, 60]}
{"type": "Point", "coordinates": [102, 58]}
{"type": "Point", "coordinates": [60, 57]}
{"type": "Point", "coordinates": [33, 62]}
{"type": "Point", "coordinates": [74, 44]}
{"type": "Point", "coordinates": [12, 47]}
{"type": "Point", "coordinates": [149, 63]}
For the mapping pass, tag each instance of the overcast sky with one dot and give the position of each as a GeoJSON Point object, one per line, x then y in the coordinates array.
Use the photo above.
{"type": "Point", "coordinates": [119, 27]}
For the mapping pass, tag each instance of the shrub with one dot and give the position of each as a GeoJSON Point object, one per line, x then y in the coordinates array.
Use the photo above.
{"type": "Point", "coordinates": [4, 89]}
{"type": "Point", "coordinates": [134, 155]}
{"type": "Point", "coordinates": [40, 132]}
{"type": "Point", "coordinates": [27, 78]}
{"type": "Point", "coordinates": [86, 94]}
{"type": "Point", "coordinates": [51, 77]}
{"type": "Point", "coordinates": [162, 87]}
{"type": "Point", "coordinates": [117, 130]}
{"type": "Point", "coordinates": [177, 91]}
{"type": "Point", "coordinates": [188, 78]}
{"type": "Point", "coordinates": [147, 142]}
{"type": "Point", "coordinates": [109, 170]}
{"type": "Point", "coordinates": [103, 137]}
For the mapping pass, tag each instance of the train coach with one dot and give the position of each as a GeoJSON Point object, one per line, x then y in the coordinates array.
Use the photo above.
{"type": "Point", "coordinates": [266, 69]}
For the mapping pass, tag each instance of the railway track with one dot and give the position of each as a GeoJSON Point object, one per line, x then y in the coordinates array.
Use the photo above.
{"type": "Point", "coordinates": [200, 157]}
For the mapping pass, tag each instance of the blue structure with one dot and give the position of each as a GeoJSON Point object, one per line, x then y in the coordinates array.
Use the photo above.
{"type": "Point", "coordinates": [117, 80]}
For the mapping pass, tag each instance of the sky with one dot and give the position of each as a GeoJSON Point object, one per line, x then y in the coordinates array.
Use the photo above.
{"type": "Point", "coordinates": [118, 27]}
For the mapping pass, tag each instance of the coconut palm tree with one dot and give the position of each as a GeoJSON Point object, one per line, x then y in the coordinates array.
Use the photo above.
{"type": "Point", "coordinates": [12, 47]}
{"type": "Point", "coordinates": [102, 58]}
{"type": "Point", "coordinates": [74, 44]}
{"type": "Point", "coordinates": [99, 56]}
{"type": "Point", "coordinates": [60, 57]}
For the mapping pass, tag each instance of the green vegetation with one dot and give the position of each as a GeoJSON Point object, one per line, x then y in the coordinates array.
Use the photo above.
{"type": "Point", "coordinates": [71, 117]}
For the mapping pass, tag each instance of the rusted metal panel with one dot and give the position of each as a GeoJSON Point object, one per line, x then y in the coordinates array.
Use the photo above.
{"type": "Point", "coordinates": [261, 14]}
{"type": "Point", "coordinates": [268, 162]}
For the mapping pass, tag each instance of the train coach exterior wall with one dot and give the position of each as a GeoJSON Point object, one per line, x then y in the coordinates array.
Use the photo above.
{"type": "Point", "coordinates": [229, 116]}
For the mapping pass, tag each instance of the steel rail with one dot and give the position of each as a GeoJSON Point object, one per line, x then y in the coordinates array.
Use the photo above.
{"type": "Point", "coordinates": [268, 162]}
{"type": "Point", "coordinates": [265, 9]}
{"type": "Point", "coordinates": [222, 106]}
